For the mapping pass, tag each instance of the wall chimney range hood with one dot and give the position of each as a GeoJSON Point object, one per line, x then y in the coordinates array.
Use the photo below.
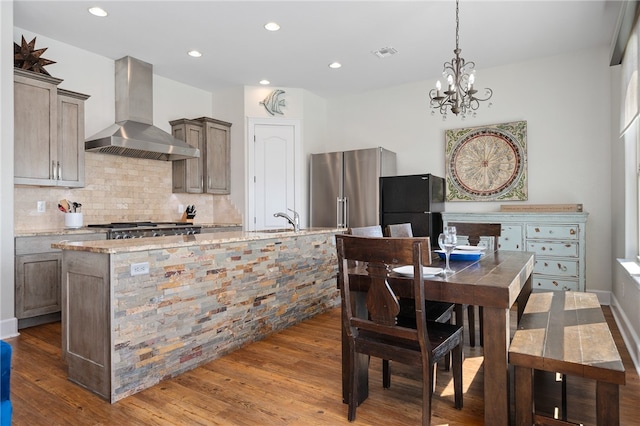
{"type": "Point", "coordinates": [133, 134]}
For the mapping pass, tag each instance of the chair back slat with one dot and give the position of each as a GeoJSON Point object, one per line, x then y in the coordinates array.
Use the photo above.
{"type": "Point", "coordinates": [382, 303]}
{"type": "Point", "coordinates": [476, 230]}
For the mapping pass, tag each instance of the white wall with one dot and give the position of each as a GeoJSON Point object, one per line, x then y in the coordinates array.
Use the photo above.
{"type": "Point", "coordinates": [566, 103]}
{"type": "Point", "coordinates": [8, 323]}
{"type": "Point", "coordinates": [228, 105]}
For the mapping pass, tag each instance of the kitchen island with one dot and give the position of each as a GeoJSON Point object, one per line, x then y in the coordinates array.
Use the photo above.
{"type": "Point", "coordinates": [137, 311]}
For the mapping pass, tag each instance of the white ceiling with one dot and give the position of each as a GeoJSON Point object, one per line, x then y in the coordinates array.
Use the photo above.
{"type": "Point", "coordinates": [237, 50]}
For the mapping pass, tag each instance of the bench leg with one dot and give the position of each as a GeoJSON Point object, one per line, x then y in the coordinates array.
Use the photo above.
{"type": "Point", "coordinates": [523, 379]}
{"type": "Point", "coordinates": [607, 404]}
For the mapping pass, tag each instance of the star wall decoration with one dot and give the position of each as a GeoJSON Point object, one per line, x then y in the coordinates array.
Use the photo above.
{"type": "Point", "coordinates": [27, 57]}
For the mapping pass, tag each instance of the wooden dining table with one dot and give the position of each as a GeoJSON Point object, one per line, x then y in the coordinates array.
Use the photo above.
{"type": "Point", "coordinates": [496, 281]}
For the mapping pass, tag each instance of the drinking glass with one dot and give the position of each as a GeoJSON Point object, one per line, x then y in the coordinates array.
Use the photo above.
{"type": "Point", "coordinates": [447, 241]}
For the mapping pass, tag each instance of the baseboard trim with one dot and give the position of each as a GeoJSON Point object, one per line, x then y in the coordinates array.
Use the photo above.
{"type": "Point", "coordinates": [9, 328]}
{"type": "Point", "coordinates": [630, 338]}
{"type": "Point", "coordinates": [604, 297]}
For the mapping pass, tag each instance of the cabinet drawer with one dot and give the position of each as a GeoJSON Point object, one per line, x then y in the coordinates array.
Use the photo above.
{"type": "Point", "coordinates": [551, 284]}
{"type": "Point", "coordinates": [42, 243]}
{"type": "Point", "coordinates": [562, 232]}
{"type": "Point", "coordinates": [561, 268]}
{"type": "Point", "coordinates": [550, 248]}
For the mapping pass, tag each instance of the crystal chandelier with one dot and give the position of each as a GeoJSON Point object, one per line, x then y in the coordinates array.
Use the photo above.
{"type": "Point", "coordinates": [460, 95]}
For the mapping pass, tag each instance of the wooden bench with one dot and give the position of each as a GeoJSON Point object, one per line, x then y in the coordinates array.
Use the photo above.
{"type": "Point", "coordinates": [565, 332]}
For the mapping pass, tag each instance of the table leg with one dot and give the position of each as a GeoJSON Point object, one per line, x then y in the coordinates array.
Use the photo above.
{"type": "Point", "coordinates": [523, 382]}
{"type": "Point", "coordinates": [607, 404]}
{"type": "Point", "coordinates": [496, 369]}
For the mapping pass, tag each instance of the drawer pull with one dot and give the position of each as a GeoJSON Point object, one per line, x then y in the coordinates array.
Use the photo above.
{"type": "Point", "coordinates": [562, 267]}
{"type": "Point", "coordinates": [572, 231]}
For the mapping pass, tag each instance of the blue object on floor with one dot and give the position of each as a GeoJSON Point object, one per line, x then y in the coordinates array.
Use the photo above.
{"type": "Point", "coordinates": [6, 410]}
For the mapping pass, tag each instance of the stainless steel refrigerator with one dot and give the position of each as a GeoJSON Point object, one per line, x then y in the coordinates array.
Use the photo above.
{"type": "Point", "coordinates": [345, 187]}
{"type": "Point", "coordinates": [415, 199]}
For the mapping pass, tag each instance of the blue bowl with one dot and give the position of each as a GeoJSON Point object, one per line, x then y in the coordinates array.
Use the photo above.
{"type": "Point", "coordinates": [461, 256]}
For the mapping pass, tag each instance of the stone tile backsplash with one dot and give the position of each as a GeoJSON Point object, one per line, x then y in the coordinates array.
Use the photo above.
{"type": "Point", "coordinates": [119, 189]}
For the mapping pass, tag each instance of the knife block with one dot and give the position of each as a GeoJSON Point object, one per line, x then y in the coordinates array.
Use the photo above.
{"type": "Point", "coordinates": [185, 218]}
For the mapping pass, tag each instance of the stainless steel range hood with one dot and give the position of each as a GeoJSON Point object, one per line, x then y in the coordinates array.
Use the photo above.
{"type": "Point", "coordinates": [133, 134]}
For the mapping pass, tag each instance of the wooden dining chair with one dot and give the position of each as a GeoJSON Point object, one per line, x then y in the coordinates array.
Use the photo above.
{"type": "Point", "coordinates": [367, 231]}
{"type": "Point", "coordinates": [399, 230]}
{"type": "Point", "coordinates": [474, 232]}
{"type": "Point", "coordinates": [378, 335]}
{"type": "Point", "coordinates": [436, 311]}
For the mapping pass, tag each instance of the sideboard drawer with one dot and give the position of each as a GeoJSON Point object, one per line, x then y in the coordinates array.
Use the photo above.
{"type": "Point", "coordinates": [561, 232]}
{"type": "Point", "coordinates": [548, 248]}
{"type": "Point", "coordinates": [551, 284]}
{"type": "Point", "coordinates": [557, 267]}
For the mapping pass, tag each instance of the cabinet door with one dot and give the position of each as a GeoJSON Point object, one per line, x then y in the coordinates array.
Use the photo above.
{"type": "Point", "coordinates": [188, 174]}
{"type": "Point", "coordinates": [35, 132]}
{"type": "Point", "coordinates": [511, 237]}
{"type": "Point", "coordinates": [38, 284]}
{"type": "Point", "coordinates": [217, 158]}
{"type": "Point", "coordinates": [70, 153]}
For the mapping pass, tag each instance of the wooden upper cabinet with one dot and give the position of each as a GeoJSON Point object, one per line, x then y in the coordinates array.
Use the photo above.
{"type": "Point", "coordinates": [71, 138]}
{"type": "Point", "coordinates": [210, 173]}
{"type": "Point", "coordinates": [48, 132]}
{"type": "Point", "coordinates": [188, 174]}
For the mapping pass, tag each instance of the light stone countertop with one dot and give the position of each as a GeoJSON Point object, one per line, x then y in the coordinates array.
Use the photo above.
{"type": "Point", "coordinates": [156, 243]}
{"type": "Point", "coordinates": [92, 230]}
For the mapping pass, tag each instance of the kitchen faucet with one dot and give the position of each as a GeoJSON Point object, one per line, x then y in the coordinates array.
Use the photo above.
{"type": "Point", "coordinates": [295, 222]}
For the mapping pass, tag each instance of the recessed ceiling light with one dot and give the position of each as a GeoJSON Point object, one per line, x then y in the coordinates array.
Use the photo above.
{"type": "Point", "coordinates": [271, 26]}
{"type": "Point", "coordinates": [194, 53]}
{"type": "Point", "coordinates": [98, 11]}
{"type": "Point", "coordinates": [265, 82]}
{"type": "Point", "coordinates": [335, 65]}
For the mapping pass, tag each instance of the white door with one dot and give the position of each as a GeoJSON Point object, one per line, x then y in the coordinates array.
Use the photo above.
{"type": "Point", "coordinates": [272, 172]}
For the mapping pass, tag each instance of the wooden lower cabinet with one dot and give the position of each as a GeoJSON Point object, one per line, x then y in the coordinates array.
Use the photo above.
{"type": "Point", "coordinates": [38, 272]}
{"type": "Point", "coordinates": [38, 284]}
{"type": "Point", "coordinates": [86, 335]}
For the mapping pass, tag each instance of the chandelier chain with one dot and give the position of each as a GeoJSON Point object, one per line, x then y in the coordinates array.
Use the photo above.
{"type": "Point", "coordinates": [460, 97]}
{"type": "Point", "coordinates": [457, 25]}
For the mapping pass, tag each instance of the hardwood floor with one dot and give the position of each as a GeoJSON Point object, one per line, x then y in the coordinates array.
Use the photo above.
{"type": "Point", "coordinates": [290, 378]}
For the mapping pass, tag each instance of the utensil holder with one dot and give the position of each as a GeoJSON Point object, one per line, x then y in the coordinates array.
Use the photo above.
{"type": "Point", "coordinates": [73, 220]}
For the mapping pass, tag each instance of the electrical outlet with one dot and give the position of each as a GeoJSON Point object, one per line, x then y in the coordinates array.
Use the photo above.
{"type": "Point", "coordinates": [180, 208]}
{"type": "Point", "coordinates": [41, 206]}
{"type": "Point", "coordinates": [140, 268]}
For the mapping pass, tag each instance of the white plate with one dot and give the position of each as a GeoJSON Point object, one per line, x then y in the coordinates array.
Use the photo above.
{"type": "Point", "coordinates": [407, 270]}
{"type": "Point", "coordinates": [471, 248]}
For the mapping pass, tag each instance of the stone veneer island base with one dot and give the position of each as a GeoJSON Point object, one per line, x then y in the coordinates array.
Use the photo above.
{"type": "Point", "coordinates": [204, 296]}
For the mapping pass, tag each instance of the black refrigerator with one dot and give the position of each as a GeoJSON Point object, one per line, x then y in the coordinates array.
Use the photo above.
{"type": "Point", "coordinates": [416, 199]}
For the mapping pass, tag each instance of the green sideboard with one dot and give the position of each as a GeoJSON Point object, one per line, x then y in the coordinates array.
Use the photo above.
{"type": "Point", "coordinates": [557, 239]}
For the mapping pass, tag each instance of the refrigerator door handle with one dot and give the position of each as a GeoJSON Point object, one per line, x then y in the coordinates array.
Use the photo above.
{"type": "Point", "coordinates": [346, 212]}
{"type": "Point", "coordinates": [339, 211]}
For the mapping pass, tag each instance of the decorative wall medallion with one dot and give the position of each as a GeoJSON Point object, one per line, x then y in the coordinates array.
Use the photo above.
{"type": "Point", "coordinates": [274, 102]}
{"type": "Point", "coordinates": [27, 57]}
{"type": "Point", "coordinates": [487, 163]}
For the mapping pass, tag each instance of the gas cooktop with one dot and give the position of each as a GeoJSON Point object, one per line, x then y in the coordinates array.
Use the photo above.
{"type": "Point", "coordinates": [126, 230]}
